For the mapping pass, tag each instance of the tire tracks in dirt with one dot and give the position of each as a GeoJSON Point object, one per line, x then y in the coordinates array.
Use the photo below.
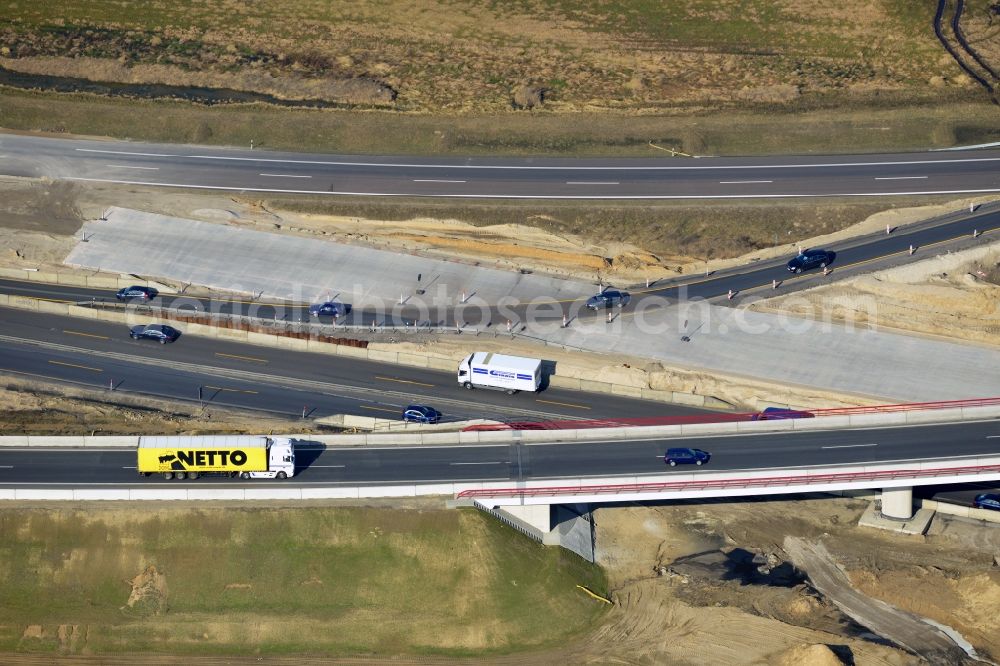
{"type": "Point", "coordinates": [988, 76]}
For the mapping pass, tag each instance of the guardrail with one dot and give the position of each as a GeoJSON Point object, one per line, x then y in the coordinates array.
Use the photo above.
{"type": "Point", "coordinates": [723, 484]}
{"type": "Point", "coordinates": [729, 418]}
{"type": "Point", "coordinates": [907, 407]}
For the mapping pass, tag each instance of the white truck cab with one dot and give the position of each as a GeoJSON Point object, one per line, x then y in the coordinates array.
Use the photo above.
{"type": "Point", "coordinates": [280, 461]}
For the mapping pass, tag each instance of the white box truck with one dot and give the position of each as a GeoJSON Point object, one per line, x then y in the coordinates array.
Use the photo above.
{"type": "Point", "coordinates": [245, 456]}
{"type": "Point", "coordinates": [500, 372]}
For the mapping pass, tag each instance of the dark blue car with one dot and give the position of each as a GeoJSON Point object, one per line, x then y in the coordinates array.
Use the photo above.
{"type": "Point", "coordinates": [808, 259]}
{"type": "Point", "coordinates": [987, 501]}
{"type": "Point", "coordinates": [421, 414]}
{"type": "Point", "coordinates": [328, 309]}
{"type": "Point", "coordinates": [674, 457]}
{"type": "Point", "coordinates": [775, 413]}
{"type": "Point", "coordinates": [135, 291]}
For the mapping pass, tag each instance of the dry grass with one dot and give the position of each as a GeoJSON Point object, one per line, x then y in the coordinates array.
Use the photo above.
{"type": "Point", "coordinates": [320, 580]}
{"type": "Point", "coordinates": [623, 54]}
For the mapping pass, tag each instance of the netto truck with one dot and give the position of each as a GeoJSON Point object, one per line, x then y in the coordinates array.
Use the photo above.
{"type": "Point", "coordinates": [244, 456]}
{"type": "Point", "coordinates": [500, 372]}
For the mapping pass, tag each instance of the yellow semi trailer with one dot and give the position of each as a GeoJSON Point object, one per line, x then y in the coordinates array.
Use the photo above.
{"type": "Point", "coordinates": [244, 456]}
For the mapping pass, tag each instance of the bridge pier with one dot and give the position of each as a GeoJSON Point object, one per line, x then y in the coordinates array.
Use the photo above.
{"type": "Point", "coordinates": [895, 513]}
{"type": "Point", "coordinates": [538, 516]}
{"type": "Point", "coordinates": [897, 503]}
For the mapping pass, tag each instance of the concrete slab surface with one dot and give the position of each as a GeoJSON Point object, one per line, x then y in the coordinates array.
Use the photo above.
{"type": "Point", "coordinates": [875, 363]}
{"type": "Point", "coordinates": [294, 268]}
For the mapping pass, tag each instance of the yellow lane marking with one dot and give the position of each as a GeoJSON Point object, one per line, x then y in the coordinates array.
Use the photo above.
{"type": "Point", "coordinates": [74, 365]}
{"type": "Point", "coordinates": [33, 374]}
{"type": "Point", "coordinates": [89, 335]}
{"type": "Point", "coordinates": [242, 358]}
{"type": "Point", "coordinates": [231, 390]}
{"type": "Point", "coordinates": [42, 298]}
{"type": "Point", "coordinates": [381, 409]}
{"type": "Point", "coordinates": [563, 404]}
{"type": "Point", "coordinates": [403, 381]}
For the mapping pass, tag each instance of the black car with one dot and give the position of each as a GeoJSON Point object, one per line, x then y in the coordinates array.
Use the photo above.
{"type": "Point", "coordinates": [808, 259]}
{"type": "Point", "coordinates": [608, 299]}
{"type": "Point", "coordinates": [674, 457]}
{"type": "Point", "coordinates": [159, 332]}
{"type": "Point", "coordinates": [987, 501]}
{"type": "Point", "coordinates": [135, 291]}
{"type": "Point", "coordinates": [421, 414]}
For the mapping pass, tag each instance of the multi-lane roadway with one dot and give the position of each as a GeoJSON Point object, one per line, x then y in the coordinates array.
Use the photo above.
{"type": "Point", "coordinates": [520, 462]}
{"type": "Point", "coordinates": [851, 256]}
{"type": "Point", "coordinates": [101, 355]}
{"type": "Point", "coordinates": [973, 172]}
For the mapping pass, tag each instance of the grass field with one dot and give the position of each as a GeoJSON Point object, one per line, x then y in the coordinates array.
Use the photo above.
{"type": "Point", "coordinates": [707, 77]}
{"type": "Point", "coordinates": [471, 56]}
{"type": "Point", "coordinates": [236, 580]}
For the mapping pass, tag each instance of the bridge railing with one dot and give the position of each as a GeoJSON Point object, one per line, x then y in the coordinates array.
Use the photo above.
{"type": "Point", "coordinates": [728, 418]}
{"type": "Point", "coordinates": [722, 484]}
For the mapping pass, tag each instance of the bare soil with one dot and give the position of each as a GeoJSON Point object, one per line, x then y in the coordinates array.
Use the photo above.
{"type": "Point", "coordinates": [956, 296]}
{"type": "Point", "coordinates": [35, 408]}
{"type": "Point", "coordinates": [676, 604]}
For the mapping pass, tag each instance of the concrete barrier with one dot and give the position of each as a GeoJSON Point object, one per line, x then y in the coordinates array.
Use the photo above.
{"type": "Point", "coordinates": [689, 399]}
{"type": "Point", "coordinates": [628, 391]}
{"type": "Point", "coordinates": [52, 441]}
{"type": "Point", "coordinates": [231, 334]}
{"type": "Point", "coordinates": [44, 494]}
{"type": "Point", "coordinates": [877, 419]}
{"type": "Point", "coordinates": [415, 360]}
{"type": "Point", "coordinates": [571, 383]}
{"type": "Point", "coordinates": [161, 493]}
{"type": "Point", "coordinates": [594, 386]}
{"type": "Point", "coordinates": [421, 436]}
{"type": "Point", "coordinates": [382, 356]}
{"type": "Point", "coordinates": [351, 352]}
{"type": "Point", "coordinates": [931, 415]}
{"type": "Point", "coordinates": [88, 494]}
{"type": "Point", "coordinates": [123, 441]}
{"type": "Point", "coordinates": [821, 423]}
{"type": "Point", "coordinates": [23, 303]}
{"type": "Point", "coordinates": [38, 276]}
{"type": "Point", "coordinates": [54, 308]}
{"type": "Point", "coordinates": [272, 491]}
{"type": "Point", "coordinates": [445, 364]}
{"type": "Point", "coordinates": [71, 279]}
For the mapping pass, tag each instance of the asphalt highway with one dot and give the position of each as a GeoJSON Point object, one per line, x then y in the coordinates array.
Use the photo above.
{"type": "Point", "coordinates": [958, 172]}
{"type": "Point", "coordinates": [516, 462]}
{"type": "Point", "coordinates": [218, 372]}
{"type": "Point", "coordinates": [851, 257]}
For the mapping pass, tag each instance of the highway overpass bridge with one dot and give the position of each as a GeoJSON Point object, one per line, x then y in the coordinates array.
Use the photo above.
{"type": "Point", "coordinates": [521, 475]}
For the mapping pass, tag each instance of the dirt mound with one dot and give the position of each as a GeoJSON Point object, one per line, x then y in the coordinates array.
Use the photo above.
{"type": "Point", "coordinates": [149, 592]}
{"type": "Point", "coordinates": [954, 295]}
{"type": "Point", "coordinates": [807, 655]}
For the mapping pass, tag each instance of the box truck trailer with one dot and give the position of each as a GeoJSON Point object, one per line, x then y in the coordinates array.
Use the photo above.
{"type": "Point", "coordinates": [500, 372]}
{"type": "Point", "coordinates": [244, 456]}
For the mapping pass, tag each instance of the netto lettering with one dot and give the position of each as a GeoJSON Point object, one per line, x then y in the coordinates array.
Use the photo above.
{"type": "Point", "coordinates": [212, 458]}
